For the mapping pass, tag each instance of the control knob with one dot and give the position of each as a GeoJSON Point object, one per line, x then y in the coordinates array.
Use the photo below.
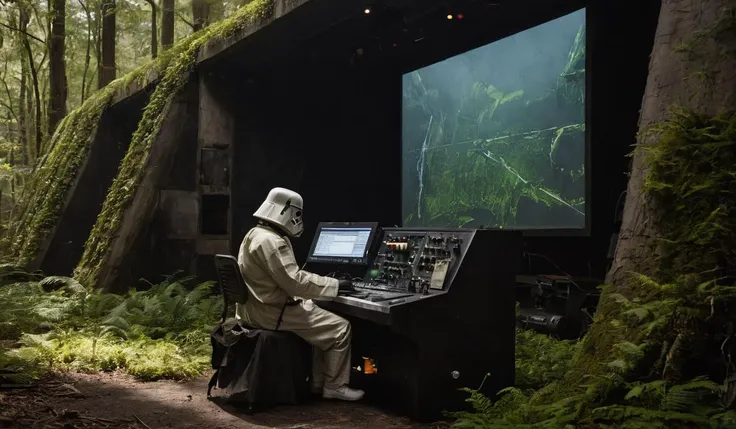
{"type": "Point", "coordinates": [425, 287]}
{"type": "Point", "coordinates": [413, 285]}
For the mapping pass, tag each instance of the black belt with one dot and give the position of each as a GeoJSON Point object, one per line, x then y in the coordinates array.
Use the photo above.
{"type": "Point", "coordinates": [289, 303]}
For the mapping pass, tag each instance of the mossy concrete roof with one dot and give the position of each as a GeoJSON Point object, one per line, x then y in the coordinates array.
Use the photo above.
{"type": "Point", "coordinates": [291, 21]}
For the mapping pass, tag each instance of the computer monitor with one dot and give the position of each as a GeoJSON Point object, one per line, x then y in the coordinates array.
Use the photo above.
{"type": "Point", "coordinates": [342, 243]}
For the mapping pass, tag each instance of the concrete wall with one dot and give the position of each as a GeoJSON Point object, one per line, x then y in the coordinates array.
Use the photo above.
{"type": "Point", "coordinates": [329, 131]}
{"type": "Point", "coordinates": [61, 251]}
{"type": "Point", "coordinates": [155, 235]}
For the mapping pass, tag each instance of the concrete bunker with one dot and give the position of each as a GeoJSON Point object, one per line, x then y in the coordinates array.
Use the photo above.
{"type": "Point", "coordinates": [60, 252]}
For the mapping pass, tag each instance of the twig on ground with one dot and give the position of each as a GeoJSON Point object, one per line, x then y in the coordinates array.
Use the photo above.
{"type": "Point", "coordinates": [141, 422]}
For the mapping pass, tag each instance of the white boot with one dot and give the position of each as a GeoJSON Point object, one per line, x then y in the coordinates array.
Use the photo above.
{"type": "Point", "coordinates": [343, 393]}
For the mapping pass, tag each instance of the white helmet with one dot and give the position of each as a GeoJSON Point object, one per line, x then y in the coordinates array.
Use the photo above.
{"type": "Point", "coordinates": [283, 207]}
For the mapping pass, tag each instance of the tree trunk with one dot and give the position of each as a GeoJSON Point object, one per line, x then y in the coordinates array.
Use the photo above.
{"type": "Point", "coordinates": [108, 43]}
{"type": "Point", "coordinates": [34, 78]}
{"type": "Point", "coordinates": [57, 65]}
{"type": "Point", "coordinates": [154, 29]}
{"type": "Point", "coordinates": [200, 14]}
{"type": "Point", "coordinates": [216, 11]}
{"type": "Point", "coordinates": [87, 54]}
{"type": "Point", "coordinates": [98, 42]}
{"type": "Point", "coordinates": [167, 24]}
{"type": "Point", "coordinates": [30, 120]}
{"type": "Point", "coordinates": [671, 82]}
{"type": "Point", "coordinates": [688, 68]}
{"type": "Point", "coordinates": [22, 112]}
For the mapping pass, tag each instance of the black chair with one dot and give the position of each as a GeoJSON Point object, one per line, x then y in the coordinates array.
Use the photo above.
{"type": "Point", "coordinates": [265, 367]}
{"type": "Point", "coordinates": [232, 285]}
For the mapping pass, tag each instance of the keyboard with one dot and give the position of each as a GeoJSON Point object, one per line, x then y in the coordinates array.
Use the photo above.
{"type": "Point", "coordinates": [376, 296]}
{"type": "Point", "coordinates": [371, 286]}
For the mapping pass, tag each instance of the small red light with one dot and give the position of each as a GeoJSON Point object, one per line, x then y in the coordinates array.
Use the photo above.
{"type": "Point", "coordinates": [460, 16]}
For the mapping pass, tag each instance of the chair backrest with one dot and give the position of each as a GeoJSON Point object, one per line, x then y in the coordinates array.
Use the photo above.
{"type": "Point", "coordinates": [231, 282]}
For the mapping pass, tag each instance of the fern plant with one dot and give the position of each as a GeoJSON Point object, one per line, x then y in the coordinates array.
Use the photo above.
{"type": "Point", "coordinates": [162, 332]}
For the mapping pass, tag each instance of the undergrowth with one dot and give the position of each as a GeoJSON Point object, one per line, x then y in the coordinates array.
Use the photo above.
{"type": "Point", "coordinates": [541, 359]}
{"type": "Point", "coordinates": [56, 324]}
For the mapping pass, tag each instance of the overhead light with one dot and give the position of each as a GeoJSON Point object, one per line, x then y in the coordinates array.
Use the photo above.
{"type": "Point", "coordinates": [367, 11]}
{"type": "Point", "coordinates": [449, 16]}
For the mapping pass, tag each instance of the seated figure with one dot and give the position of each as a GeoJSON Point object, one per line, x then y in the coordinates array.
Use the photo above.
{"type": "Point", "coordinates": [280, 294]}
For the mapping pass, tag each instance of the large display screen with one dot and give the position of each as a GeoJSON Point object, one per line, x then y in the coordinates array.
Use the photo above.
{"type": "Point", "coordinates": [496, 136]}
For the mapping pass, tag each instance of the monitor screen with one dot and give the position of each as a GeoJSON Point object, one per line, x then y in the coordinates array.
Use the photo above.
{"type": "Point", "coordinates": [346, 243]}
{"type": "Point", "coordinates": [495, 136]}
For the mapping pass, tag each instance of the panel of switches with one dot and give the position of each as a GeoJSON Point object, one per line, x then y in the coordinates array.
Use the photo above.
{"type": "Point", "coordinates": [406, 260]}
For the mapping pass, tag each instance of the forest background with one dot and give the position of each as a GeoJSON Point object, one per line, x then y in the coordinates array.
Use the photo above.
{"type": "Point", "coordinates": [55, 53]}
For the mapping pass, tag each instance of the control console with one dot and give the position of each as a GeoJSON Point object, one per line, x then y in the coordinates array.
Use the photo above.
{"type": "Point", "coordinates": [436, 309]}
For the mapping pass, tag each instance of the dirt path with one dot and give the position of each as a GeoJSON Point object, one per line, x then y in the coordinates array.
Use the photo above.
{"type": "Point", "coordinates": [115, 400]}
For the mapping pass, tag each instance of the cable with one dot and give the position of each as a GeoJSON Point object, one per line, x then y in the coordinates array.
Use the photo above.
{"type": "Point", "coordinates": [615, 208]}
{"type": "Point", "coordinates": [569, 277]}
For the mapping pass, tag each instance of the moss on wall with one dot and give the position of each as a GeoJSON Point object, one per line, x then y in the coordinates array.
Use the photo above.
{"type": "Point", "coordinates": [44, 197]}
{"type": "Point", "coordinates": [175, 77]}
{"type": "Point", "coordinates": [47, 190]}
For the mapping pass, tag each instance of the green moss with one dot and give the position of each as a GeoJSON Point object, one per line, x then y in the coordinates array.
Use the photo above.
{"type": "Point", "coordinates": [181, 60]}
{"type": "Point", "coordinates": [47, 190]}
{"type": "Point", "coordinates": [693, 180]}
{"type": "Point", "coordinates": [49, 186]}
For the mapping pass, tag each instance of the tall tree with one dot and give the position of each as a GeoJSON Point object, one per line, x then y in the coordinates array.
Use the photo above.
{"type": "Point", "coordinates": [57, 65]}
{"type": "Point", "coordinates": [154, 29]}
{"type": "Point", "coordinates": [697, 83]}
{"type": "Point", "coordinates": [108, 71]}
{"type": "Point", "coordinates": [22, 111]}
{"type": "Point", "coordinates": [25, 38]}
{"type": "Point", "coordinates": [87, 54]}
{"type": "Point", "coordinates": [692, 66]}
{"type": "Point", "coordinates": [200, 14]}
{"type": "Point", "coordinates": [167, 24]}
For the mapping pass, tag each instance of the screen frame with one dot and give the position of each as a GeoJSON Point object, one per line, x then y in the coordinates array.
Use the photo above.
{"type": "Point", "coordinates": [586, 230]}
{"type": "Point", "coordinates": [365, 260]}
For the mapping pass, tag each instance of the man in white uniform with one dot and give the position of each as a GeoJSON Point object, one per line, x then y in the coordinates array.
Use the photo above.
{"type": "Point", "coordinates": [280, 294]}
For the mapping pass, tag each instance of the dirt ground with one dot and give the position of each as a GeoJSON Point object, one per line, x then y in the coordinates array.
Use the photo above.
{"type": "Point", "coordinates": [76, 401]}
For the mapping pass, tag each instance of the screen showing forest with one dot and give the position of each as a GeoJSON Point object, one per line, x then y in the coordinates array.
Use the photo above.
{"type": "Point", "coordinates": [496, 136]}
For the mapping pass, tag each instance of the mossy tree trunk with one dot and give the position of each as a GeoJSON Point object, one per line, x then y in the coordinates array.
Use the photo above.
{"type": "Point", "coordinates": [692, 67]}
{"type": "Point", "coordinates": [704, 82]}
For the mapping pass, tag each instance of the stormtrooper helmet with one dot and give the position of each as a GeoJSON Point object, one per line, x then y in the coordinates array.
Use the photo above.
{"type": "Point", "coordinates": [283, 208]}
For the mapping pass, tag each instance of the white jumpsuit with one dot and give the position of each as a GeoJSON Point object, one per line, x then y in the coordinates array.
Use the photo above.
{"type": "Point", "coordinates": [269, 268]}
